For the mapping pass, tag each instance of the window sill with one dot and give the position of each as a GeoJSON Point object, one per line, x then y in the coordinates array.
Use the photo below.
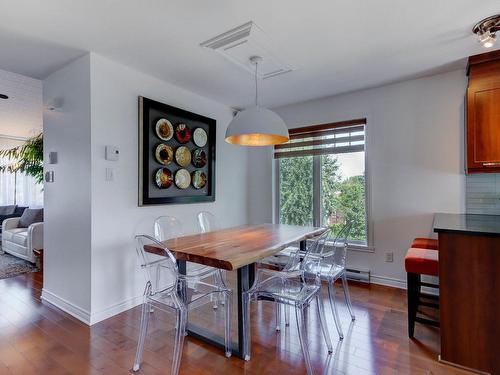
{"type": "Point", "coordinates": [361, 248]}
{"type": "Point", "coordinates": [356, 247]}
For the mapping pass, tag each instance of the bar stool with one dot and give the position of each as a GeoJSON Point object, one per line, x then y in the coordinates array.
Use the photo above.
{"type": "Point", "coordinates": [425, 243]}
{"type": "Point", "coordinates": [420, 262]}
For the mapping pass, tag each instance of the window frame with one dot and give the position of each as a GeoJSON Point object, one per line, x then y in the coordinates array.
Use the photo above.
{"type": "Point", "coordinates": [353, 245]}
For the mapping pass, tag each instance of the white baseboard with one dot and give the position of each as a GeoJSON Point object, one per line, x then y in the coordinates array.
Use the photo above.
{"type": "Point", "coordinates": [400, 284]}
{"type": "Point", "coordinates": [66, 306]}
{"type": "Point", "coordinates": [84, 315]}
{"type": "Point", "coordinates": [388, 281]}
{"type": "Point", "coordinates": [115, 309]}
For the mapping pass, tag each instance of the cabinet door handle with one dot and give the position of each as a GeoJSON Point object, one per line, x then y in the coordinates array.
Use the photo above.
{"type": "Point", "coordinates": [491, 164]}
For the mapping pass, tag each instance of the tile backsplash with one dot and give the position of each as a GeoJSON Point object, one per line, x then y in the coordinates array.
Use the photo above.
{"type": "Point", "coordinates": [482, 195]}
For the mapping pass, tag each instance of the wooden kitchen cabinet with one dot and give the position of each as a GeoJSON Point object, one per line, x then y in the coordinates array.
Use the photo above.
{"type": "Point", "coordinates": [483, 114]}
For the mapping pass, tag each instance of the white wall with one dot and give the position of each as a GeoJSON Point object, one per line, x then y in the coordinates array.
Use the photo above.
{"type": "Point", "coordinates": [415, 160]}
{"type": "Point", "coordinates": [116, 217]}
{"type": "Point", "coordinates": [67, 227]}
{"type": "Point", "coordinates": [91, 268]}
{"type": "Point", "coordinates": [21, 113]}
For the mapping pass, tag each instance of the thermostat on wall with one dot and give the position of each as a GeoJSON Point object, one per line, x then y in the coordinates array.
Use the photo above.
{"type": "Point", "coordinates": [112, 153]}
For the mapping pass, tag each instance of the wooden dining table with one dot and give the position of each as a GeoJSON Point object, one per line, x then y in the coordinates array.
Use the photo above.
{"type": "Point", "coordinates": [238, 248]}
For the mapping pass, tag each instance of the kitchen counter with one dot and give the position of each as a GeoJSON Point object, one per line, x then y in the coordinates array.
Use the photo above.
{"type": "Point", "coordinates": [467, 224]}
{"type": "Point", "coordinates": [469, 295]}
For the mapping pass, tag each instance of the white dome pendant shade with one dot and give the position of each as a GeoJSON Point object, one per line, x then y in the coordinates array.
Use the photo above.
{"type": "Point", "coordinates": [257, 126]}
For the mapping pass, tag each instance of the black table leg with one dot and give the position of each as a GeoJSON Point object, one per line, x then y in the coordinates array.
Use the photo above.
{"type": "Point", "coordinates": [182, 289]}
{"type": "Point", "coordinates": [246, 276]}
{"type": "Point", "coordinates": [245, 279]}
{"type": "Point", "coordinates": [303, 246]}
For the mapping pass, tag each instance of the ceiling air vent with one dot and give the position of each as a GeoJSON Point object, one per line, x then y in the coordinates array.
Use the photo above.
{"type": "Point", "coordinates": [245, 41]}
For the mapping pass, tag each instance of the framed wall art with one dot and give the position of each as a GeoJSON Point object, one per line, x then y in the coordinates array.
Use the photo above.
{"type": "Point", "coordinates": [176, 155]}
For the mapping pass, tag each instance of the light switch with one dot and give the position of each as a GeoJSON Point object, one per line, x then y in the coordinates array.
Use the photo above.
{"type": "Point", "coordinates": [49, 176]}
{"type": "Point", "coordinates": [110, 174]}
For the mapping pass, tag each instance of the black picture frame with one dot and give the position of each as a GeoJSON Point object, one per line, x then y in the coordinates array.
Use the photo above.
{"type": "Point", "coordinates": [149, 112]}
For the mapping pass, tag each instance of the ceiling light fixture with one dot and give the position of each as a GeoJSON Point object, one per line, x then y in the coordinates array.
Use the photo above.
{"type": "Point", "coordinates": [257, 126]}
{"type": "Point", "coordinates": [486, 30]}
{"type": "Point", "coordinates": [3, 96]}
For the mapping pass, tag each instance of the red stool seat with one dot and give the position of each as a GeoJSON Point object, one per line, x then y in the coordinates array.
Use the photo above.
{"type": "Point", "coordinates": [422, 261]}
{"type": "Point", "coordinates": [425, 243]}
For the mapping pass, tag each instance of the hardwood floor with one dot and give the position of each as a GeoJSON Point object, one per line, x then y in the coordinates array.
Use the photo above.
{"type": "Point", "coordinates": [36, 338]}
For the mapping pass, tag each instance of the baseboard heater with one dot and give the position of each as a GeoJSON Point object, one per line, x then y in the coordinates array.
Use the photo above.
{"type": "Point", "coordinates": [358, 275]}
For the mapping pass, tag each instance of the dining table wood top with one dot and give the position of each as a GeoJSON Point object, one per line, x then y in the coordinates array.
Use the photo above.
{"type": "Point", "coordinates": [233, 248]}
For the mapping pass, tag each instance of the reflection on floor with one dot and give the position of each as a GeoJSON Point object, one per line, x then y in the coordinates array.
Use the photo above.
{"type": "Point", "coordinates": [36, 338]}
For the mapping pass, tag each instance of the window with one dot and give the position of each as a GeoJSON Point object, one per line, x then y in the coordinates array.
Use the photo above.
{"type": "Point", "coordinates": [18, 188]}
{"type": "Point", "coordinates": [321, 177]}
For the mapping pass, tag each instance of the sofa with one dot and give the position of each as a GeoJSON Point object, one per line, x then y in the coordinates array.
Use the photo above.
{"type": "Point", "coordinates": [21, 235]}
{"type": "Point", "coordinates": [7, 212]}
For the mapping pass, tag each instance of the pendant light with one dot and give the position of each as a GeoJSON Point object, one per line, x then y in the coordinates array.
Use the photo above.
{"type": "Point", "coordinates": [257, 126]}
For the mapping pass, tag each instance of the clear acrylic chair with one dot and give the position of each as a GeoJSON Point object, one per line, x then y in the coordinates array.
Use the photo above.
{"type": "Point", "coordinates": [333, 267]}
{"type": "Point", "coordinates": [293, 286]}
{"type": "Point", "coordinates": [168, 227]}
{"type": "Point", "coordinates": [167, 290]}
{"type": "Point", "coordinates": [207, 222]}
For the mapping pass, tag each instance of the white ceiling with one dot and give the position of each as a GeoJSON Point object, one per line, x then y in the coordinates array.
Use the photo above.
{"type": "Point", "coordinates": [335, 45]}
{"type": "Point", "coordinates": [21, 114]}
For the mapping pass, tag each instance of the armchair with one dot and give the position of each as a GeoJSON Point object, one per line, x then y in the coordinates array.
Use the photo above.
{"type": "Point", "coordinates": [20, 242]}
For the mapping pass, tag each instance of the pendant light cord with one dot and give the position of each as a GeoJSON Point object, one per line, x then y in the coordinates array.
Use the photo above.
{"type": "Point", "coordinates": [256, 84]}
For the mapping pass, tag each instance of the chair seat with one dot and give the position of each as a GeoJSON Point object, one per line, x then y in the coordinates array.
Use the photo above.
{"type": "Point", "coordinates": [425, 243]}
{"type": "Point", "coordinates": [17, 235]}
{"type": "Point", "coordinates": [288, 291]}
{"type": "Point", "coordinates": [327, 272]}
{"type": "Point", "coordinates": [422, 261]}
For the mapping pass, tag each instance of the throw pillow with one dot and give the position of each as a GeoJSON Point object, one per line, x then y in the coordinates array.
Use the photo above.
{"type": "Point", "coordinates": [30, 216]}
{"type": "Point", "coordinates": [7, 210]}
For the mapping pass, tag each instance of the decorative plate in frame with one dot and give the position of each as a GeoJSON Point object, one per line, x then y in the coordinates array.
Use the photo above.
{"type": "Point", "coordinates": [164, 129]}
{"type": "Point", "coordinates": [199, 179]}
{"type": "Point", "coordinates": [200, 137]}
{"type": "Point", "coordinates": [164, 154]}
{"type": "Point", "coordinates": [163, 178]}
{"type": "Point", "coordinates": [182, 179]}
{"type": "Point", "coordinates": [182, 133]}
{"type": "Point", "coordinates": [199, 158]}
{"type": "Point", "coordinates": [183, 156]}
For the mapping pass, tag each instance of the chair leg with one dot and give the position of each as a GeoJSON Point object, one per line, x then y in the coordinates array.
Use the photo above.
{"type": "Point", "coordinates": [413, 289]}
{"type": "Point", "coordinates": [142, 336]}
{"type": "Point", "coordinates": [228, 311]}
{"type": "Point", "coordinates": [222, 275]}
{"type": "Point", "coordinates": [278, 317]}
{"type": "Point", "coordinates": [179, 340]}
{"type": "Point", "coordinates": [287, 315]}
{"type": "Point", "coordinates": [333, 305]}
{"type": "Point", "coordinates": [215, 297]}
{"type": "Point", "coordinates": [301, 324]}
{"type": "Point", "coordinates": [247, 348]}
{"type": "Point", "coordinates": [347, 296]}
{"type": "Point", "coordinates": [322, 321]}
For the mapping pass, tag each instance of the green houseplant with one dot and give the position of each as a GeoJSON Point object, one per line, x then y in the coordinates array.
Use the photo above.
{"type": "Point", "coordinates": [26, 158]}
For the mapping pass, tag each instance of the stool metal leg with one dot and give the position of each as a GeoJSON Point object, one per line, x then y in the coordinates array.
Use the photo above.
{"type": "Point", "coordinates": [413, 289]}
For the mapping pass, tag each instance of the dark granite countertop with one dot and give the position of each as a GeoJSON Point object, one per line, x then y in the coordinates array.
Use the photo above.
{"type": "Point", "coordinates": [467, 223]}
